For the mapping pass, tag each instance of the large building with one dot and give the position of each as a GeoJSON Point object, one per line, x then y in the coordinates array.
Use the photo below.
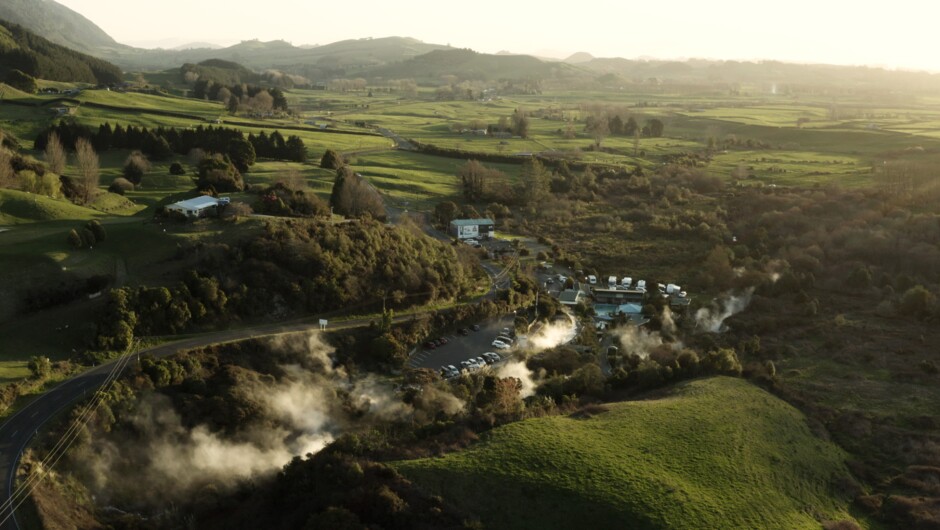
{"type": "Point", "coordinates": [198, 206]}
{"type": "Point", "coordinates": [473, 228]}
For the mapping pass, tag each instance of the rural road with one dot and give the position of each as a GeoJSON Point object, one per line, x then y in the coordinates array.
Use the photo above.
{"type": "Point", "coordinates": [19, 430]}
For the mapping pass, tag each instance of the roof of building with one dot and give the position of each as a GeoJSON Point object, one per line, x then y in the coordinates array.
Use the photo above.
{"type": "Point", "coordinates": [470, 222]}
{"type": "Point", "coordinates": [570, 296]}
{"type": "Point", "coordinates": [198, 203]}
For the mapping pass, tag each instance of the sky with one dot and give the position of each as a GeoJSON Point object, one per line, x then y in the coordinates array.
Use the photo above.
{"type": "Point", "coordinates": [894, 34]}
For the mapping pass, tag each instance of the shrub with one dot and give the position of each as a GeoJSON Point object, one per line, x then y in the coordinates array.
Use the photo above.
{"type": "Point", "coordinates": [177, 169]}
{"type": "Point", "coordinates": [135, 167]}
{"type": "Point", "coordinates": [40, 367]}
{"type": "Point", "coordinates": [331, 160]}
{"type": "Point", "coordinates": [121, 186]}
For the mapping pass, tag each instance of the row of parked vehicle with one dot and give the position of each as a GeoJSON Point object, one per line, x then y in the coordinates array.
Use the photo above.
{"type": "Point", "coordinates": [505, 339]}
{"type": "Point", "coordinates": [470, 365]}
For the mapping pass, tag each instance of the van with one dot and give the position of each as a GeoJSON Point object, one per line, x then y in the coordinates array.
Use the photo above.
{"type": "Point", "coordinates": [592, 279]}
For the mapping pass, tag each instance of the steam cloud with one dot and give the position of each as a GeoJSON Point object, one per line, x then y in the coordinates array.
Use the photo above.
{"type": "Point", "coordinates": [304, 408]}
{"type": "Point", "coordinates": [519, 370]}
{"type": "Point", "coordinates": [712, 318]}
{"type": "Point", "coordinates": [554, 334]}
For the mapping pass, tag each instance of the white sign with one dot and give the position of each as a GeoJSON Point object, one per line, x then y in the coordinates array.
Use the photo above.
{"type": "Point", "coordinates": [468, 231]}
{"type": "Point", "coordinates": [322, 323]}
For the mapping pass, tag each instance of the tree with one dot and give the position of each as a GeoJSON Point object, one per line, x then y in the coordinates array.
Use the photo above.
{"type": "Point", "coordinates": [533, 183]}
{"type": "Point", "coordinates": [352, 196]}
{"type": "Point", "coordinates": [599, 130]}
{"type": "Point", "coordinates": [40, 367]}
{"type": "Point", "coordinates": [444, 212]}
{"type": "Point", "coordinates": [655, 128]}
{"type": "Point", "coordinates": [917, 302]}
{"type": "Point", "coordinates": [220, 175]}
{"type": "Point", "coordinates": [241, 153]}
{"type": "Point", "coordinates": [615, 124]}
{"type": "Point", "coordinates": [472, 174]}
{"type": "Point", "coordinates": [331, 160]}
{"type": "Point", "coordinates": [21, 81]}
{"type": "Point", "coordinates": [295, 149]}
{"type": "Point", "coordinates": [135, 167]}
{"type": "Point", "coordinates": [88, 170]}
{"type": "Point", "coordinates": [177, 169]}
{"type": "Point", "coordinates": [520, 123]}
{"type": "Point", "coordinates": [75, 240]}
{"type": "Point", "coordinates": [55, 154]}
{"type": "Point", "coordinates": [97, 229]}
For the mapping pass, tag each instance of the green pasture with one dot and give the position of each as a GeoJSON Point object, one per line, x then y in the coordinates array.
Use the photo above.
{"type": "Point", "coordinates": [641, 464]}
{"type": "Point", "coordinates": [793, 168]}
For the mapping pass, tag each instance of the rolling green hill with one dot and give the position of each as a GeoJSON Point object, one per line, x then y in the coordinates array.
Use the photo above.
{"type": "Point", "coordinates": [21, 207]}
{"type": "Point", "coordinates": [715, 453]}
{"type": "Point", "coordinates": [468, 64]}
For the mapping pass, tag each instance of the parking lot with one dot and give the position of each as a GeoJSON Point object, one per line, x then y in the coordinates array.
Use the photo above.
{"type": "Point", "coordinates": [460, 347]}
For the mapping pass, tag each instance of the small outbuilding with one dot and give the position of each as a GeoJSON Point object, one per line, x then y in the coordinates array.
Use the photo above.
{"type": "Point", "coordinates": [198, 206]}
{"type": "Point", "coordinates": [473, 228]}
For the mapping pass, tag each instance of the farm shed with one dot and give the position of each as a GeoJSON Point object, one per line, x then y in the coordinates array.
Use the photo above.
{"type": "Point", "coordinates": [198, 206]}
{"type": "Point", "coordinates": [472, 228]}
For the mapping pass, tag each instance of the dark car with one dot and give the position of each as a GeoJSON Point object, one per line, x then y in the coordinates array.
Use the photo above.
{"type": "Point", "coordinates": [442, 341]}
{"type": "Point", "coordinates": [464, 331]}
{"type": "Point", "coordinates": [475, 327]}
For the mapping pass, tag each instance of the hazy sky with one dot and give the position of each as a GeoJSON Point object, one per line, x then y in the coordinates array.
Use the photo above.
{"type": "Point", "coordinates": [894, 34]}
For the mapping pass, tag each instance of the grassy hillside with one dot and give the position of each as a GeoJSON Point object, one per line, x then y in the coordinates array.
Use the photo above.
{"type": "Point", "coordinates": [716, 453]}
{"type": "Point", "coordinates": [41, 58]}
{"type": "Point", "coordinates": [21, 207]}
{"type": "Point", "coordinates": [57, 23]}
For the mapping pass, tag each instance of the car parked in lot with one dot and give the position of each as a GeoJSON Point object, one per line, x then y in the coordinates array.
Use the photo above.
{"type": "Point", "coordinates": [498, 344]}
{"type": "Point", "coordinates": [464, 331]}
{"type": "Point", "coordinates": [504, 338]}
{"type": "Point", "coordinates": [475, 327]}
{"type": "Point", "coordinates": [491, 357]}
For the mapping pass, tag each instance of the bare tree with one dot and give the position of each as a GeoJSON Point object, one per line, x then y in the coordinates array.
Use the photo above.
{"type": "Point", "coordinates": [7, 174]}
{"type": "Point", "coordinates": [294, 180]}
{"type": "Point", "coordinates": [88, 169]}
{"type": "Point", "coordinates": [55, 154]}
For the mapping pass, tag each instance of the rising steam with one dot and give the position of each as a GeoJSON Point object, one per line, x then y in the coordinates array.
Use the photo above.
{"type": "Point", "coordinates": [711, 318]}
{"type": "Point", "coordinates": [302, 409]}
{"type": "Point", "coordinates": [519, 370]}
{"type": "Point", "coordinates": [554, 334]}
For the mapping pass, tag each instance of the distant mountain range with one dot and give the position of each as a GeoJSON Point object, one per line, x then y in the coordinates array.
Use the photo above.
{"type": "Point", "coordinates": [403, 57]}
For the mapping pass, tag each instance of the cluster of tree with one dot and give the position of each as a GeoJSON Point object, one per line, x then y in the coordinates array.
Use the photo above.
{"type": "Point", "coordinates": [296, 266]}
{"type": "Point", "coordinates": [888, 253]}
{"type": "Point", "coordinates": [353, 196]}
{"type": "Point", "coordinates": [35, 57]}
{"type": "Point", "coordinates": [162, 142]}
{"type": "Point", "coordinates": [90, 235]}
{"type": "Point", "coordinates": [219, 71]}
{"type": "Point", "coordinates": [242, 97]}
{"type": "Point", "coordinates": [291, 198]}
{"type": "Point", "coordinates": [159, 310]}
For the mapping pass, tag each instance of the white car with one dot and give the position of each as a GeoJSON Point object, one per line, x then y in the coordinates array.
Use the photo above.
{"type": "Point", "coordinates": [500, 345]}
{"type": "Point", "coordinates": [504, 338]}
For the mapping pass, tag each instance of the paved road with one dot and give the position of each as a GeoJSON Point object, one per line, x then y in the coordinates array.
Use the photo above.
{"type": "Point", "coordinates": [20, 429]}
